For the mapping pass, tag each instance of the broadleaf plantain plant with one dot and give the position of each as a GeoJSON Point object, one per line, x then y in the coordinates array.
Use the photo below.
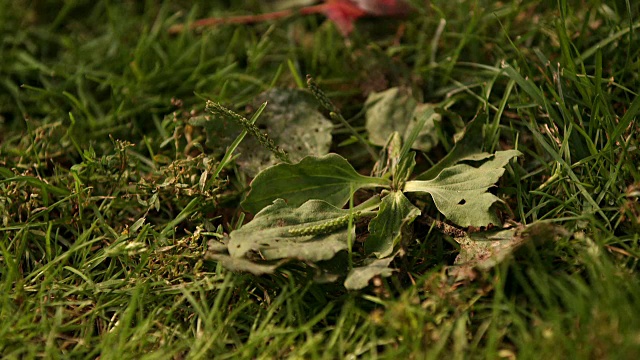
{"type": "Point", "coordinates": [300, 212]}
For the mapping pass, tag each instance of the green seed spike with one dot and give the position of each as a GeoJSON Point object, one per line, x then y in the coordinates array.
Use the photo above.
{"type": "Point", "coordinates": [325, 227]}
{"type": "Point", "coordinates": [335, 114]}
{"type": "Point", "coordinates": [263, 138]}
{"type": "Point", "coordinates": [322, 98]}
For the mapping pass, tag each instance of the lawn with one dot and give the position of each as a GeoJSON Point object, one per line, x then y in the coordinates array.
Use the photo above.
{"type": "Point", "coordinates": [132, 158]}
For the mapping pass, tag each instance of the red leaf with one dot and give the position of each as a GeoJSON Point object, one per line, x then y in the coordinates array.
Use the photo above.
{"type": "Point", "coordinates": [344, 13]}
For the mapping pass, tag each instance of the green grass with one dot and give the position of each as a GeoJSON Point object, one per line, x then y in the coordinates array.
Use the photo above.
{"type": "Point", "coordinates": [104, 215]}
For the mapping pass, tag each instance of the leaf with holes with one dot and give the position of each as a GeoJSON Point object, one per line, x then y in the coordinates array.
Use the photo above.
{"type": "Point", "coordinates": [460, 191]}
{"type": "Point", "coordinates": [328, 177]}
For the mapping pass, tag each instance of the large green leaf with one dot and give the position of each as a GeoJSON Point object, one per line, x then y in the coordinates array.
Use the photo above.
{"type": "Point", "coordinates": [359, 277]}
{"type": "Point", "coordinates": [386, 229]}
{"type": "Point", "coordinates": [395, 110]}
{"type": "Point", "coordinates": [330, 178]}
{"type": "Point", "coordinates": [315, 231]}
{"type": "Point", "coordinates": [460, 191]}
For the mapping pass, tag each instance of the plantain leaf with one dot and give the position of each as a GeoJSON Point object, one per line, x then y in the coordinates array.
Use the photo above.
{"type": "Point", "coordinates": [330, 178]}
{"type": "Point", "coordinates": [386, 229]}
{"type": "Point", "coordinates": [359, 277]}
{"type": "Point", "coordinates": [460, 191]}
{"type": "Point", "coordinates": [313, 232]}
{"type": "Point", "coordinates": [395, 110]}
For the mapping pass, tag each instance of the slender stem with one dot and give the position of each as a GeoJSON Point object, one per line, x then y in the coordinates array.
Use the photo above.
{"type": "Point", "coordinates": [248, 19]}
{"type": "Point", "coordinates": [351, 225]}
{"type": "Point", "coordinates": [335, 114]}
{"type": "Point", "coordinates": [338, 116]}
